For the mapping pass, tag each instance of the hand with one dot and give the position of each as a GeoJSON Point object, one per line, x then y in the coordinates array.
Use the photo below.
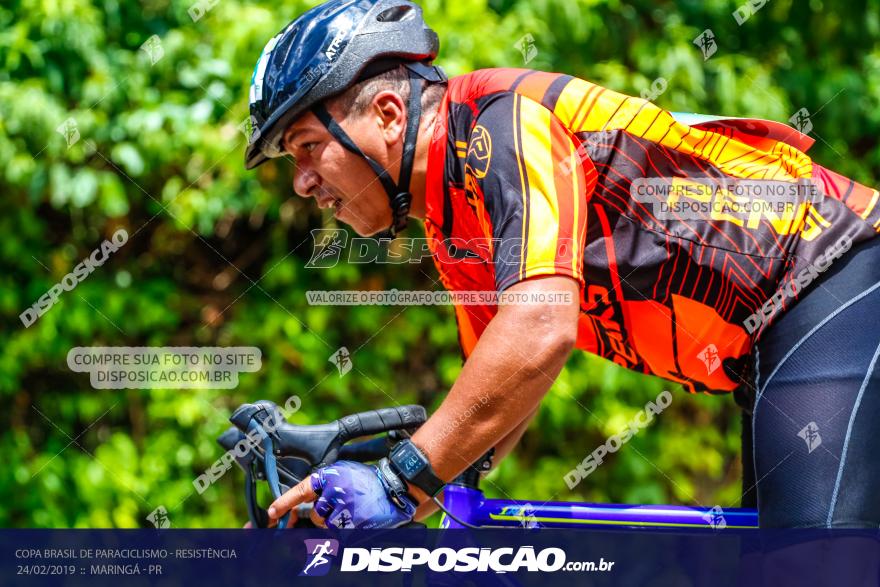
{"type": "Point", "coordinates": [349, 495]}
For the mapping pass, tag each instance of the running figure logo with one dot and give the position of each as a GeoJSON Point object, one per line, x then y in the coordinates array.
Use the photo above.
{"type": "Point", "coordinates": [709, 356]}
{"type": "Point", "coordinates": [342, 359]}
{"type": "Point", "coordinates": [715, 518]}
{"type": "Point", "coordinates": [320, 552]}
{"type": "Point", "coordinates": [810, 434]}
{"type": "Point", "coordinates": [706, 42]}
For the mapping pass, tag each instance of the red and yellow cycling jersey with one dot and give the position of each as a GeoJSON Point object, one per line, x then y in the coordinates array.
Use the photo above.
{"type": "Point", "coordinates": [539, 173]}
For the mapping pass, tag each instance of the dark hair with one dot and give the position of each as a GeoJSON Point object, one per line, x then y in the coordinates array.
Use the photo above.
{"type": "Point", "coordinates": [358, 97]}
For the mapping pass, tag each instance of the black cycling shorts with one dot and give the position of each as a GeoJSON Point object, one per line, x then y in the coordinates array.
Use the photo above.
{"type": "Point", "coordinates": [812, 434]}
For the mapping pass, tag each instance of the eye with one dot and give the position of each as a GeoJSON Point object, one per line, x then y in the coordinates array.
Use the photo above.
{"type": "Point", "coordinates": [309, 147]}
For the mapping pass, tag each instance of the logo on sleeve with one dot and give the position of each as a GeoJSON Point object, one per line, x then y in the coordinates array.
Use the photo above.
{"type": "Point", "coordinates": [479, 151]}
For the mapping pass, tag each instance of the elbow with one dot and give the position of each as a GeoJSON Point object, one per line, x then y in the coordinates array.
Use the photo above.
{"type": "Point", "coordinates": [543, 356]}
{"type": "Point", "coordinates": [550, 342]}
{"type": "Point", "coordinates": [561, 342]}
{"type": "Point", "coordinates": [547, 331]}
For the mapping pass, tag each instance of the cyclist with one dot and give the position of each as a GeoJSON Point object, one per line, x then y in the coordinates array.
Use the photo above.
{"type": "Point", "coordinates": [540, 184]}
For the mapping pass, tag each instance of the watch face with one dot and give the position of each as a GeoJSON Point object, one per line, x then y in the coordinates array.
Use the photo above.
{"type": "Point", "coordinates": [408, 460]}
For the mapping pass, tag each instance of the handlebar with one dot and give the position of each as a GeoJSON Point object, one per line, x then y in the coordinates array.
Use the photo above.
{"type": "Point", "coordinates": [295, 468]}
{"type": "Point", "coordinates": [384, 420]}
{"type": "Point", "coordinates": [319, 444]}
{"type": "Point", "coordinates": [269, 448]}
{"type": "Point", "coordinates": [369, 450]}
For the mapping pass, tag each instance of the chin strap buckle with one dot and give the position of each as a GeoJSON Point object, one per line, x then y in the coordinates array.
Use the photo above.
{"type": "Point", "coordinates": [400, 205]}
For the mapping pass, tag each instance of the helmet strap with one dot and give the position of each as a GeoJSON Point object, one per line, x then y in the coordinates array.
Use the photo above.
{"type": "Point", "coordinates": [399, 195]}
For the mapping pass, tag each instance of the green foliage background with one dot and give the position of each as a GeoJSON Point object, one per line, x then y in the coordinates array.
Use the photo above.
{"type": "Point", "coordinates": [216, 255]}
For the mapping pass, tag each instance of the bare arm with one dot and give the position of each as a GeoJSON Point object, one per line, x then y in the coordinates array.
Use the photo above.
{"type": "Point", "coordinates": [502, 449]}
{"type": "Point", "coordinates": [513, 365]}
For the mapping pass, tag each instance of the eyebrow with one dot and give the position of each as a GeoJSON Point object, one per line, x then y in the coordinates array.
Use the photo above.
{"type": "Point", "coordinates": [292, 135]}
{"type": "Point", "coordinates": [289, 138]}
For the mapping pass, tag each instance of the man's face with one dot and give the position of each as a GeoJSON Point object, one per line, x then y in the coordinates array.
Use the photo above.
{"type": "Point", "coordinates": [338, 178]}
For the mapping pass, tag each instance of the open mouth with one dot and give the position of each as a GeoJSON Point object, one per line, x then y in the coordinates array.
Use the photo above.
{"type": "Point", "coordinates": [330, 202]}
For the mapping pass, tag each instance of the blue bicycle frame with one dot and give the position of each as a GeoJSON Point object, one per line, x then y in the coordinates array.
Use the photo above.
{"type": "Point", "coordinates": [469, 505]}
{"type": "Point", "coordinates": [317, 445]}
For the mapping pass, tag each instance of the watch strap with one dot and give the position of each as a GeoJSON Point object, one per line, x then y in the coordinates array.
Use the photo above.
{"type": "Point", "coordinates": [395, 487]}
{"type": "Point", "coordinates": [426, 479]}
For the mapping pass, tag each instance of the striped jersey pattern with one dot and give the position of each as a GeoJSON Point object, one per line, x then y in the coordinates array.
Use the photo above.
{"type": "Point", "coordinates": [533, 174]}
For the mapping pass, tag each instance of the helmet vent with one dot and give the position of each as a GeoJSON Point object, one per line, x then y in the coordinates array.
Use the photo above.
{"type": "Point", "coordinates": [396, 14]}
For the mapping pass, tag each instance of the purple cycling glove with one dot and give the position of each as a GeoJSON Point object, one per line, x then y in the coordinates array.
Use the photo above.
{"type": "Point", "coordinates": [354, 495]}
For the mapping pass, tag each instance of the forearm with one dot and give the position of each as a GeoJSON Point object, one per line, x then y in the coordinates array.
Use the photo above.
{"type": "Point", "coordinates": [506, 444]}
{"type": "Point", "coordinates": [502, 449]}
{"type": "Point", "coordinates": [519, 355]}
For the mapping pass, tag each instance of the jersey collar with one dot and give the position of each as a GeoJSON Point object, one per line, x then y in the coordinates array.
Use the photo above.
{"type": "Point", "coordinates": [435, 179]}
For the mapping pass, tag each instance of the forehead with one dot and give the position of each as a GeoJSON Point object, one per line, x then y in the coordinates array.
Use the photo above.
{"type": "Point", "coordinates": [307, 122]}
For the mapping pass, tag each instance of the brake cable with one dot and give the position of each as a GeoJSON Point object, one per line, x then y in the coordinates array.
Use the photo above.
{"type": "Point", "coordinates": [455, 518]}
{"type": "Point", "coordinates": [270, 467]}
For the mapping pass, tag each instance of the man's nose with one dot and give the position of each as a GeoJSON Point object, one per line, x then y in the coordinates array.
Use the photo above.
{"type": "Point", "coordinates": [304, 182]}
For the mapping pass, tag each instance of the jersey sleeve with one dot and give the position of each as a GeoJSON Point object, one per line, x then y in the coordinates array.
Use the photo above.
{"type": "Point", "coordinates": [533, 180]}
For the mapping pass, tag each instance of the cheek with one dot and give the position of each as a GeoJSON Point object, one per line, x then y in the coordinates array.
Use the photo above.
{"type": "Point", "coordinates": [334, 159]}
{"type": "Point", "coordinates": [345, 171]}
{"type": "Point", "coordinates": [362, 190]}
{"type": "Point", "coordinates": [374, 200]}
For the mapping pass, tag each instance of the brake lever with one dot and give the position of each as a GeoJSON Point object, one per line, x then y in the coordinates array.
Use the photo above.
{"type": "Point", "coordinates": [262, 460]}
{"type": "Point", "coordinates": [270, 467]}
{"type": "Point", "coordinates": [258, 516]}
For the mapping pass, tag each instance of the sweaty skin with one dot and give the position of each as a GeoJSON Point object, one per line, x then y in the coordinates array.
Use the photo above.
{"type": "Point", "coordinates": [523, 348]}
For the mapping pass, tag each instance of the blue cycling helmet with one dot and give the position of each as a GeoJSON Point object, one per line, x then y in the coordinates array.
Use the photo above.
{"type": "Point", "coordinates": [326, 51]}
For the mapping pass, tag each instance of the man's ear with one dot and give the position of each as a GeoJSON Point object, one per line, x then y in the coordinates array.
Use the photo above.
{"type": "Point", "coordinates": [389, 110]}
